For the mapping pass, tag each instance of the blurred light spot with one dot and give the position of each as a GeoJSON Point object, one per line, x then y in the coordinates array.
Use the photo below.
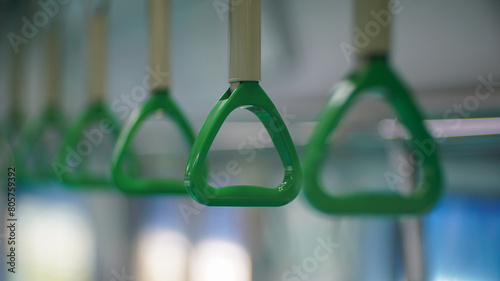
{"type": "Point", "coordinates": [162, 255]}
{"type": "Point", "coordinates": [54, 243]}
{"type": "Point", "coordinates": [216, 260]}
{"type": "Point", "coordinates": [448, 279]}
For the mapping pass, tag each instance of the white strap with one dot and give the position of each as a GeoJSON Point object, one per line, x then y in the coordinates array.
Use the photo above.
{"type": "Point", "coordinates": [244, 40]}
{"type": "Point", "coordinates": [159, 33]}
{"type": "Point", "coordinates": [372, 21]}
{"type": "Point", "coordinates": [98, 56]}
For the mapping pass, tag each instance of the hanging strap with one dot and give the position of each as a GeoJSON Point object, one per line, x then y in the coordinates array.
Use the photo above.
{"type": "Point", "coordinates": [372, 35]}
{"type": "Point", "coordinates": [17, 62]}
{"type": "Point", "coordinates": [98, 56]}
{"type": "Point", "coordinates": [244, 40]}
{"type": "Point", "coordinates": [53, 66]}
{"type": "Point", "coordinates": [159, 34]}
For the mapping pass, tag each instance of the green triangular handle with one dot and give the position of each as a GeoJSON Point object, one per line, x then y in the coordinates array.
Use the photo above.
{"type": "Point", "coordinates": [13, 130]}
{"type": "Point", "coordinates": [377, 76]}
{"type": "Point", "coordinates": [160, 100]}
{"type": "Point", "coordinates": [7, 153]}
{"type": "Point", "coordinates": [52, 117]}
{"type": "Point", "coordinates": [250, 96]}
{"type": "Point", "coordinates": [13, 127]}
{"type": "Point", "coordinates": [96, 112]}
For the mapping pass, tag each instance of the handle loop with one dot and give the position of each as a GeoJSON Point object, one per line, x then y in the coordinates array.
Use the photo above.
{"type": "Point", "coordinates": [160, 100]}
{"type": "Point", "coordinates": [252, 97]}
{"type": "Point", "coordinates": [96, 113]}
{"type": "Point", "coordinates": [74, 151]}
{"type": "Point", "coordinates": [373, 76]}
{"type": "Point", "coordinates": [245, 92]}
{"type": "Point", "coordinates": [51, 117]}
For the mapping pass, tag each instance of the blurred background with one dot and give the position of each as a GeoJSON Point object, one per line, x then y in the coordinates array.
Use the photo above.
{"type": "Point", "coordinates": [447, 51]}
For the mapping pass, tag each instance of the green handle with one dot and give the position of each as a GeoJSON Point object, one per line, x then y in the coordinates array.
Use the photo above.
{"type": "Point", "coordinates": [159, 101]}
{"type": "Point", "coordinates": [13, 126]}
{"type": "Point", "coordinates": [376, 76]}
{"type": "Point", "coordinates": [52, 118]}
{"type": "Point", "coordinates": [96, 112]}
{"type": "Point", "coordinates": [250, 96]}
{"type": "Point", "coordinates": [13, 133]}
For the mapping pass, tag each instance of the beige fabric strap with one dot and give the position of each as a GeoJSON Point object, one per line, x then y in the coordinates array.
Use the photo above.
{"type": "Point", "coordinates": [159, 34]}
{"type": "Point", "coordinates": [244, 40]}
{"type": "Point", "coordinates": [17, 64]}
{"type": "Point", "coordinates": [98, 56]}
{"type": "Point", "coordinates": [52, 66]}
{"type": "Point", "coordinates": [372, 21]}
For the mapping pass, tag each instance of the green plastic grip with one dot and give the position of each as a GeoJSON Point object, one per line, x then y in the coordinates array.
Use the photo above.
{"type": "Point", "coordinates": [13, 126]}
{"type": "Point", "coordinates": [159, 101]}
{"type": "Point", "coordinates": [13, 132]}
{"type": "Point", "coordinates": [96, 112]}
{"type": "Point", "coordinates": [248, 95]}
{"type": "Point", "coordinates": [53, 118]}
{"type": "Point", "coordinates": [377, 76]}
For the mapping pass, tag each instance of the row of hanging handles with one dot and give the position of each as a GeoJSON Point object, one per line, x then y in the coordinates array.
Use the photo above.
{"type": "Point", "coordinates": [373, 74]}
